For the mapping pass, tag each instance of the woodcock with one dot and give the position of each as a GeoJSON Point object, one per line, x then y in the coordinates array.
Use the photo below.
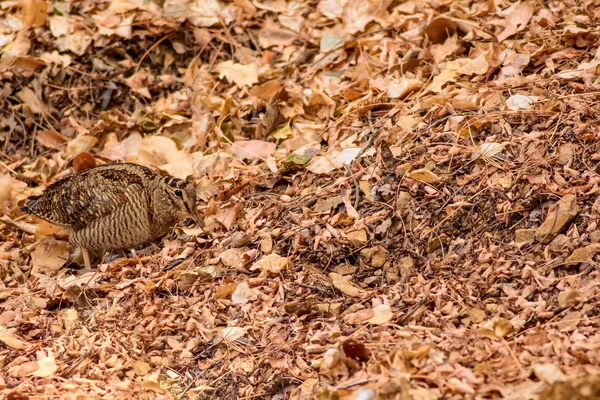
{"type": "Point", "coordinates": [115, 206]}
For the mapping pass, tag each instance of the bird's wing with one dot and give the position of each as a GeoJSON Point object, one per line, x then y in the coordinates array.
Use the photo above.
{"type": "Point", "coordinates": [77, 200]}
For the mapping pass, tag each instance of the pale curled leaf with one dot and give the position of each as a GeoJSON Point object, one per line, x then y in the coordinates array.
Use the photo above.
{"type": "Point", "coordinates": [242, 294]}
{"type": "Point", "coordinates": [241, 75]}
{"type": "Point", "coordinates": [424, 175]}
{"type": "Point", "coordinates": [344, 285]}
{"type": "Point", "coordinates": [252, 149]}
{"type": "Point", "coordinates": [49, 255]}
{"type": "Point", "coordinates": [270, 265]}
{"type": "Point", "coordinates": [520, 102]}
{"type": "Point", "coordinates": [9, 339]}
{"type": "Point", "coordinates": [518, 16]}
{"type": "Point", "coordinates": [382, 315]}
{"type": "Point", "coordinates": [46, 367]}
{"type": "Point", "coordinates": [33, 101]}
{"type": "Point", "coordinates": [231, 333]}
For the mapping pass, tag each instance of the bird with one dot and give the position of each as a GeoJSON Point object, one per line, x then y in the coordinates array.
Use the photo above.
{"type": "Point", "coordinates": [114, 206]}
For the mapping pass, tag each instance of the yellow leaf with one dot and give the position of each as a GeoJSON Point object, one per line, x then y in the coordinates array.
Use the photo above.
{"type": "Point", "coordinates": [424, 175]}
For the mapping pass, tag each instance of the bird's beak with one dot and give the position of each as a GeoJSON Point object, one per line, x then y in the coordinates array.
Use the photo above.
{"type": "Point", "coordinates": [195, 215]}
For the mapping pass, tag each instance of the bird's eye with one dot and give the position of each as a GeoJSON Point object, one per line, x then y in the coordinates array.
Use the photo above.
{"type": "Point", "coordinates": [179, 193]}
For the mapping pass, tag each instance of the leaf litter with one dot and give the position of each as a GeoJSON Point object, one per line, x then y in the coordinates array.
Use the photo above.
{"type": "Point", "coordinates": [400, 199]}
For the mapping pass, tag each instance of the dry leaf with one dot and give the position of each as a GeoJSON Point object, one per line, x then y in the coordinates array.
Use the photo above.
{"type": "Point", "coordinates": [242, 294]}
{"type": "Point", "coordinates": [51, 138]}
{"type": "Point", "coordinates": [345, 286]}
{"type": "Point", "coordinates": [49, 255]}
{"type": "Point", "coordinates": [382, 315]}
{"type": "Point", "coordinates": [252, 149]}
{"type": "Point", "coordinates": [11, 340]}
{"type": "Point", "coordinates": [270, 265]}
{"type": "Point", "coordinates": [241, 75]}
{"type": "Point", "coordinates": [81, 144]}
{"type": "Point", "coordinates": [231, 333]}
{"type": "Point", "coordinates": [520, 102]}
{"type": "Point", "coordinates": [46, 367]}
{"type": "Point", "coordinates": [518, 16]}
{"type": "Point", "coordinates": [32, 100]}
{"type": "Point", "coordinates": [424, 175]}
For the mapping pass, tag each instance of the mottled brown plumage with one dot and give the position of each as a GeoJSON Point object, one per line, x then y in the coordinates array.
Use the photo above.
{"type": "Point", "coordinates": [115, 206]}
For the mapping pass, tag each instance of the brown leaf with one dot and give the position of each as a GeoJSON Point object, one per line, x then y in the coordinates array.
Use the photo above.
{"type": "Point", "coordinates": [49, 255]}
{"type": "Point", "coordinates": [34, 13]}
{"type": "Point", "coordinates": [241, 75]}
{"type": "Point", "coordinates": [518, 16]}
{"type": "Point", "coordinates": [51, 138]}
{"type": "Point", "coordinates": [439, 30]}
{"type": "Point", "coordinates": [252, 149]}
{"type": "Point", "coordinates": [344, 286]}
{"type": "Point", "coordinates": [356, 350]}
{"type": "Point", "coordinates": [9, 339]}
{"type": "Point", "coordinates": [32, 100]}
{"type": "Point", "coordinates": [558, 219]}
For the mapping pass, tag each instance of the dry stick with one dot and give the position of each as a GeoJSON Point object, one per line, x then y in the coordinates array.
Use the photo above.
{"type": "Point", "coordinates": [356, 187]}
{"type": "Point", "coordinates": [25, 227]}
{"type": "Point", "coordinates": [412, 311]}
{"type": "Point", "coordinates": [8, 168]}
{"type": "Point", "coordinates": [152, 48]}
{"type": "Point", "coordinates": [374, 133]}
{"type": "Point", "coordinates": [77, 363]}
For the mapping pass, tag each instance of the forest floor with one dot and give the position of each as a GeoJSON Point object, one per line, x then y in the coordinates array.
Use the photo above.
{"type": "Point", "coordinates": [400, 200]}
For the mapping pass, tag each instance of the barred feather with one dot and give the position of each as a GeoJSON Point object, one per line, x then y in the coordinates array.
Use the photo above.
{"type": "Point", "coordinates": [115, 206]}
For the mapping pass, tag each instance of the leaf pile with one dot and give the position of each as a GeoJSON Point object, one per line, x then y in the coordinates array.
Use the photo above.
{"type": "Point", "coordinates": [400, 199]}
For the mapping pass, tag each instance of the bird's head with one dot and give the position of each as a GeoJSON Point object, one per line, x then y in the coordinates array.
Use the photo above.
{"type": "Point", "coordinates": [181, 195]}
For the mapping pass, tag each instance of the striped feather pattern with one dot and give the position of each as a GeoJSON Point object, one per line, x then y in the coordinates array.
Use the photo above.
{"type": "Point", "coordinates": [115, 206]}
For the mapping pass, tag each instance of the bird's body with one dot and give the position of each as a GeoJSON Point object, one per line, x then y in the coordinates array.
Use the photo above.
{"type": "Point", "coordinates": [115, 206]}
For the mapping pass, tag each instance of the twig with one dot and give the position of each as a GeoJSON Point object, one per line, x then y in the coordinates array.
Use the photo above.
{"type": "Point", "coordinates": [374, 134]}
{"type": "Point", "coordinates": [23, 226]}
{"type": "Point", "coordinates": [88, 354]}
{"type": "Point", "coordinates": [304, 285]}
{"type": "Point", "coordinates": [152, 48]}
{"type": "Point", "coordinates": [413, 310]}
{"type": "Point", "coordinates": [356, 188]}
{"type": "Point", "coordinates": [8, 168]}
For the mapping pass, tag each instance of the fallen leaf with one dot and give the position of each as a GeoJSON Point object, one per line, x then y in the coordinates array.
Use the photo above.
{"type": "Point", "coordinates": [49, 255]}
{"type": "Point", "coordinates": [32, 101]}
{"type": "Point", "coordinates": [242, 294]}
{"type": "Point", "coordinates": [520, 102]}
{"type": "Point", "coordinates": [241, 75]}
{"type": "Point", "coordinates": [382, 315]}
{"type": "Point", "coordinates": [548, 373]}
{"type": "Point", "coordinates": [51, 138]}
{"type": "Point", "coordinates": [357, 238]}
{"type": "Point", "coordinates": [570, 321]}
{"type": "Point", "coordinates": [11, 340]}
{"type": "Point", "coordinates": [270, 265]}
{"type": "Point", "coordinates": [519, 15]}
{"type": "Point", "coordinates": [345, 286]}
{"type": "Point", "coordinates": [81, 144]}
{"type": "Point", "coordinates": [424, 175]}
{"type": "Point", "coordinates": [46, 367]}
{"type": "Point", "coordinates": [252, 149]}
{"type": "Point", "coordinates": [231, 333]}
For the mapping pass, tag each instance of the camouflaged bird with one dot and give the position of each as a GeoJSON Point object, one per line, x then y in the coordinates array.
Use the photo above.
{"type": "Point", "coordinates": [115, 206]}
